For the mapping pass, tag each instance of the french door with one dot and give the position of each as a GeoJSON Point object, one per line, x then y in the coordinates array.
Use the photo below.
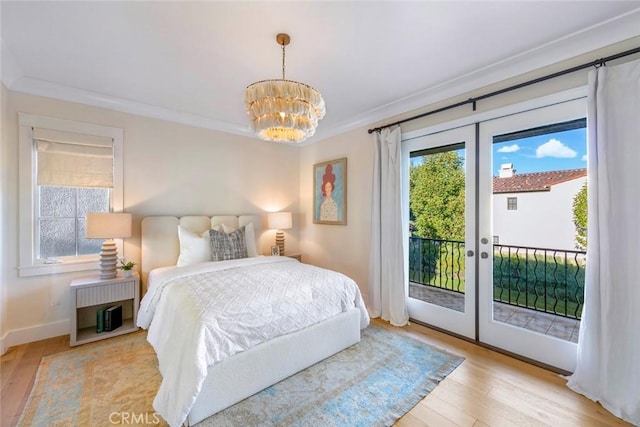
{"type": "Point", "coordinates": [441, 262]}
{"type": "Point", "coordinates": [464, 274]}
{"type": "Point", "coordinates": [538, 320]}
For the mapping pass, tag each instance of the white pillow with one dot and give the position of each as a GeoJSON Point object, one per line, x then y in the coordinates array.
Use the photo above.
{"type": "Point", "coordinates": [194, 248]}
{"type": "Point", "coordinates": [250, 238]}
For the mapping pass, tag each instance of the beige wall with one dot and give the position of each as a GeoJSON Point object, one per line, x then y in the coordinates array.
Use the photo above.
{"type": "Point", "coordinates": [4, 111]}
{"type": "Point", "coordinates": [343, 248]}
{"type": "Point", "coordinates": [169, 169]}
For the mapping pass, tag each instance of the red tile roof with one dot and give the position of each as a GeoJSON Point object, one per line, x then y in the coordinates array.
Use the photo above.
{"type": "Point", "coordinates": [537, 181]}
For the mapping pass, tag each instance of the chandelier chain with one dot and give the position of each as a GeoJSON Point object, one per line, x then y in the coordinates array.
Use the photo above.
{"type": "Point", "coordinates": [283, 54]}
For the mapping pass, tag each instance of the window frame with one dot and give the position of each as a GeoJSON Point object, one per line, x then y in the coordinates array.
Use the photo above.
{"type": "Point", "coordinates": [28, 263]}
{"type": "Point", "coordinates": [512, 203]}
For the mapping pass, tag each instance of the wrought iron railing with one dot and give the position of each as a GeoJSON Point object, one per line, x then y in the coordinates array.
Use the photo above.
{"type": "Point", "coordinates": [547, 280]}
{"type": "Point", "coordinates": [437, 262]}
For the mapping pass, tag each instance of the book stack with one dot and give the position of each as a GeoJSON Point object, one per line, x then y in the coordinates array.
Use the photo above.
{"type": "Point", "coordinates": [109, 319]}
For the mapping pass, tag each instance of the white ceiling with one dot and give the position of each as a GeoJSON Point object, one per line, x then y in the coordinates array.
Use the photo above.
{"type": "Point", "coordinates": [190, 61]}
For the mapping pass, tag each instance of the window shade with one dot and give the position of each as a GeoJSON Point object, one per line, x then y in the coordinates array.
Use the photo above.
{"type": "Point", "coordinates": [68, 159]}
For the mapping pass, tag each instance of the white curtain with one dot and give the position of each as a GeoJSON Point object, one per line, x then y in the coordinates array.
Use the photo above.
{"type": "Point", "coordinates": [608, 366]}
{"type": "Point", "coordinates": [387, 294]}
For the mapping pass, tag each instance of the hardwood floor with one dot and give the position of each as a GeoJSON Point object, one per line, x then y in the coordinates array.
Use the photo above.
{"type": "Point", "coordinates": [487, 389]}
{"type": "Point", "coordinates": [18, 368]}
{"type": "Point", "coordinates": [492, 389]}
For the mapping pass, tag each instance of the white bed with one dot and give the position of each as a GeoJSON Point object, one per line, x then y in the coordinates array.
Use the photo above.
{"type": "Point", "coordinates": [247, 372]}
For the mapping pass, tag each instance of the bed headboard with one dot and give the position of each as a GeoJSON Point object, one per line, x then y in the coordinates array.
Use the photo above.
{"type": "Point", "coordinates": [160, 244]}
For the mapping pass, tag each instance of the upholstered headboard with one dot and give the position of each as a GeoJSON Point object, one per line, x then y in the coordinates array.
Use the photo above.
{"type": "Point", "coordinates": [160, 243]}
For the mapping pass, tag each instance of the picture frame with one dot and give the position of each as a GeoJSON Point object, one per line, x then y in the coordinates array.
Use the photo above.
{"type": "Point", "coordinates": [275, 250]}
{"type": "Point", "coordinates": [330, 201]}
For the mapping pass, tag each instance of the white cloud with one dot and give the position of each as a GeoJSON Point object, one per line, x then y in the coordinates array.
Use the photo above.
{"type": "Point", "coordinates": [584, 157]}
{"type": "Point", "coordinates": [509, 148]}
{"type": "Point", "coordinates": [555, 148]}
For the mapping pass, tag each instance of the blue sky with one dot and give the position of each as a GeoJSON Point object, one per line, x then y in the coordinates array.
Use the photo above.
{"type": "Point", "coordinates": [549, 152]}
{"type": "Point", "coordinates": [553, 151]}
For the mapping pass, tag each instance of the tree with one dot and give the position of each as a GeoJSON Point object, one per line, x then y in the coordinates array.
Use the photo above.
{"type": "Point", "coordinates": [437, 196]}
{"type": "Point", "coordinates": [580, 217]}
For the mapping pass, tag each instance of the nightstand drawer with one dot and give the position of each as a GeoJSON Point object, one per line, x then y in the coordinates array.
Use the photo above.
{"type": "Point", "coordinates": [96, 295]}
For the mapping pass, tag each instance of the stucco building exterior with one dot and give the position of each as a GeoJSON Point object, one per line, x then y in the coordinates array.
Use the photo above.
{"type": "Point", "coordinates": [535, 209]}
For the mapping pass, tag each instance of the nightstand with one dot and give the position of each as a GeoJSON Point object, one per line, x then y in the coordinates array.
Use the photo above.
{"type": "Point", "coordinates": [90, 294]}
{"type": "Point", "coordinates": [296, 256]}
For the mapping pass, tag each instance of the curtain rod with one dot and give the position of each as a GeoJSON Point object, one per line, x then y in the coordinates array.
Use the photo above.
{"type": "Point", "coordinates": [596, 63]}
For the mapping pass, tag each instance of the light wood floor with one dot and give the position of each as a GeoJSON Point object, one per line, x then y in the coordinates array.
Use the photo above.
{"type": "Point", "coordinates": [487, 389]}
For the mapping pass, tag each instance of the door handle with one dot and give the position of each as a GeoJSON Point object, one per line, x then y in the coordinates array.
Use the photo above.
{"type": "Point", "coordinates": [484, 255]}
{"type": "Point", "coordinates": [469, 253]}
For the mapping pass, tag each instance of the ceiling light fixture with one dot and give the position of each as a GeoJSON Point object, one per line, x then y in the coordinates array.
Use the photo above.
{"type": "Point", "coordinates": [284, 110]}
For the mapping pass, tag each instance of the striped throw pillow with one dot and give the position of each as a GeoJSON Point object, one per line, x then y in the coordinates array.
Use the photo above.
{"type": "Point", "coordinates": [228, 246]}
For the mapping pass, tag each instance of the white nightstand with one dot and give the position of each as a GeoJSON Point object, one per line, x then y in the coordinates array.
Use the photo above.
{"type": "Point", "coordinates": [90, 294]}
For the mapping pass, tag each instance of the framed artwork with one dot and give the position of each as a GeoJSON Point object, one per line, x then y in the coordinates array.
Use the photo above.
{"type": "Point", "coordinates": [330, 192]}
{"type": "Point", "coordinates": [275, 250]}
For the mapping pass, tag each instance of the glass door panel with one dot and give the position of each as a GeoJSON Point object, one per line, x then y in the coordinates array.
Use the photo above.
{"type": "Point", "coordinates": [532, 168]}
{"type": "Point", "coordinates": [439, 202]}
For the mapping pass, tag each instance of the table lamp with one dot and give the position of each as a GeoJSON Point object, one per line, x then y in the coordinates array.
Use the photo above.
{"type": "Point", "coordinates": [280, 221]}
{"type": "Point", "coordinates": [108, 226]}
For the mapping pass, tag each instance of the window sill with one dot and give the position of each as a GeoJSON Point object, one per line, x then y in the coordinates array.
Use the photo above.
{"type": "Point", "coordinates": [57, 268]}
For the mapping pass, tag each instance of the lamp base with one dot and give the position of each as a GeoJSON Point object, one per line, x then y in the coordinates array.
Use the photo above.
{"type": "Point", "coordinates": [108, 259]}
{"type": "Point", "coordinates": [280, 241]}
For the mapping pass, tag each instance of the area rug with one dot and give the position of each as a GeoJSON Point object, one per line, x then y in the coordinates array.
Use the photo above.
{"type": "Point", "coordinates": [372, 383]}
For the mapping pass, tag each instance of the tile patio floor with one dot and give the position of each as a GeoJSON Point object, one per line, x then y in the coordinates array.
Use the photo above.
{"type": "Point", "coordinates": [545, 323]}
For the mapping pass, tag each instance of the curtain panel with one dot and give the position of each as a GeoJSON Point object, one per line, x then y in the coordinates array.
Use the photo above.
{"type": "Point", "coordinates": [387, 291]}
{"type": "Point", "coordinates": [608, 363]}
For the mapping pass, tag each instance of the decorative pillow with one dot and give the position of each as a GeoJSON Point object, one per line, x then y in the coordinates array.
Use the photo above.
{"type": "Point", "coordinates": [250, 238]}
{"type": "Point", "coordinates": [228, 246]}
{"type": "Point", "coordinates": [194, 248]}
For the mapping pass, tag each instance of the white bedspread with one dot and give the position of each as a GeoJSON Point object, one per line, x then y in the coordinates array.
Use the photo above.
{"type": "Point", "coordinates": [202, 314]}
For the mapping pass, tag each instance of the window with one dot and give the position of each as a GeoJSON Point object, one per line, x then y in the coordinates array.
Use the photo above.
{"type": "Point", "coordinates": [71, 169]}
{"type": "Point", "coordinates": [512, 203]}
{"type": "Point", "coordinates": [62, 217]}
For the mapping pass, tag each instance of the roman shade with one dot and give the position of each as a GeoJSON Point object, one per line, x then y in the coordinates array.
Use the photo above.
{"type": "Point", "coordinates": [67, 159]}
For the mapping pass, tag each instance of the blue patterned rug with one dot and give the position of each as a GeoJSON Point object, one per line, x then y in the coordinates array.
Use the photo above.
{"type": "Point", "coordinates": [372, 383]}
{"type": "Point", "coordinates": [369, 384]}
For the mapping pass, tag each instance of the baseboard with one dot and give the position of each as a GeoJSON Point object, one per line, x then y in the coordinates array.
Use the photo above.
{"type": "Point", "coordinates": [3, 347]}
{"type": "Point", "coordinates": [34, 333]}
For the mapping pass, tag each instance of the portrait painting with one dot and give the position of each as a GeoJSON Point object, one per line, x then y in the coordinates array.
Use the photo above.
{"type": "Point", "coordinates": [330, 192]}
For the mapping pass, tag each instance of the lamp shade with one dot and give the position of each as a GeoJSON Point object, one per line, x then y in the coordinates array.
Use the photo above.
{"type": "Point", "coordinates": [280, 220]}
{"type": "Point", "coordinates": [108, 225]}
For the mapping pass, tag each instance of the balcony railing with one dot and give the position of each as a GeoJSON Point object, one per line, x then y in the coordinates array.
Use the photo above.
{"type": "Point", "coordinates": [547, 280]}
{"type": "Point", "coordinates": [437, 262]}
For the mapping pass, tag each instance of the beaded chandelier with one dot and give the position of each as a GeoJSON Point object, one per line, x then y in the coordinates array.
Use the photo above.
{"type": "Point", "coordinates": [284, 110]}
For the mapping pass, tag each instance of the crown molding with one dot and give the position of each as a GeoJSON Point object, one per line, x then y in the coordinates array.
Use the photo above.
{"type": "Point", "coordinates": [80, 96]}
{"type": "Point", "coordinates": [604, 34]}
{"type": "Point", "coordinates": [598, 36]}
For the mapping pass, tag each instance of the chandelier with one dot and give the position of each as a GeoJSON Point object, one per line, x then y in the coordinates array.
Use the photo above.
{"type": "Point", "coordinates": [284, 110]}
